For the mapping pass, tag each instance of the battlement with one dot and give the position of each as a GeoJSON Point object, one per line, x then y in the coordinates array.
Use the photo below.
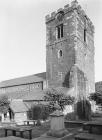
{"type": "Point", "coordinates": [67, 8]}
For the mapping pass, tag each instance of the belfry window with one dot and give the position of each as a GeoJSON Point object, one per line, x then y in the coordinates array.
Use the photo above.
{"type": "Point", "coordinates": [85, 35]}
{"type": "Point", "coordinates": [59, 31]}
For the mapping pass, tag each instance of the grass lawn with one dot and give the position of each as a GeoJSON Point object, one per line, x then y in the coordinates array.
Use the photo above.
{"type": "Point", "coordinates": [36, 132]}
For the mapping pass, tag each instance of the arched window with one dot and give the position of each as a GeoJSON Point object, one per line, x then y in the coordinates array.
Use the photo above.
{"type": "Point", "coordinates": [60, 53]}
{"type": "Point", "coordinates": [85, 34]}
{"type": "Point", "coordinates": [59, 31]}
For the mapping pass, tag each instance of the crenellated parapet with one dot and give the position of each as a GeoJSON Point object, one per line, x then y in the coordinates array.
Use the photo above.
{"type": "Point", "coordinates": [68, 8]}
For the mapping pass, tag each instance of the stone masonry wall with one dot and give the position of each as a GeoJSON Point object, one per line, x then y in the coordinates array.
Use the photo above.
{"type": "Point", "coordinates": [61, 65]}
{"type": "Point", "coordinates": [85, 51]}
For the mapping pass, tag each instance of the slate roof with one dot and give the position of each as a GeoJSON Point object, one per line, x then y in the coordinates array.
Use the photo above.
{"type": "Point", "coordinates": [34, 95]}
{"type": "Point", "coordinates": [29, 104]}
{"type": "Point", "coordinates": [24, 80]}
{"type": "Point", "coordinates": [42, 75]}
{"type": "Point", "coordinates": [15, 95]}
{"type": "Point", "coordinates": [26, 95]}
{"type": "Point", "coordinates": [18, 106]}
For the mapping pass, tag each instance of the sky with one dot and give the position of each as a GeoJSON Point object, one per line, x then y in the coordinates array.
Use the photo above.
{"type": "Point", "coordinates": [23, 35]}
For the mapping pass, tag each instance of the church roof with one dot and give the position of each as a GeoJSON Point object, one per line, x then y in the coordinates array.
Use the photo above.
{"type": "Point", "coordinates": [34, 95]}
{"type": "Point", "coordinates": [18, 106]}
{"type": "Point", "coordinates": [26, 95]}
{"type": "Point", "coordinates": [24, 80]}
{"type": "Point", "coordinates": [15, 95]}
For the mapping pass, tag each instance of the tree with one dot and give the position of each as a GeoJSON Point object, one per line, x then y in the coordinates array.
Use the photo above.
{"type": "Point", "coordinates": [45, 112]}
{"type": "Point", "coordinates": [39, 112]}
{"type": "Point", "coordinates": [97, 97]}
{"type": "Point", "coordinates": [4, 103]}
{"type": "Point", "coordinates": [52, 95]}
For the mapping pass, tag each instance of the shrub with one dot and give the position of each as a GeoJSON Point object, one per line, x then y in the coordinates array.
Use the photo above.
{"type": "Point", "coordinates": [95, 115]}
{"type": "Point", "coordinates": [40, 111]}
{"type": "Point", "coordinates": [4, 103]}
{"type": "Point", "coordinates": [45, 112]}
{"type": "Point", "coordinates": [97, 97]}
{"type": "Point", "coordinates": [70, 116]}
{"type": "Point", "coordinates": [53, 95]}
{"type": "Point", "coordinates": [36, 112]}
{"type": "Point", "coordinates": [29, 114]}
{"type": "Point", "coordinates": [84, 110]}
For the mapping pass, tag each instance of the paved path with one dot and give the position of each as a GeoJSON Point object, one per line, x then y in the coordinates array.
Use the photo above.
{"type": "Point", "coordinates": [45, 137]}
{"type": "Point", "coordinates": [12, 138]}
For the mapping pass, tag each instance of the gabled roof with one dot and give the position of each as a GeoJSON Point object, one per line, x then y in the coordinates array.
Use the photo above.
{"type": "Point", "coordinates": [24, 80]}
{"type": "Point", "coordinates": [18, 106]}
{"type": "Point", "coordinates": [15, 95]}
{"type": "Point", "coordinates": [33, 96]}
{"type": "Point", "coordinates": [41, 75]}
{"type": "Point", "coordinates": [29, 104]}
{"type": "Point", "coordinates": [26, 95]}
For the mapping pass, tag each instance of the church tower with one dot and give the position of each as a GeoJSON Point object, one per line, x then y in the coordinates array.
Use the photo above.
{"type": "Point", "coordinates": [70, 49]}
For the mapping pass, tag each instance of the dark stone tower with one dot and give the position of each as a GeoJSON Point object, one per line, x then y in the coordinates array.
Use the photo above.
{"type": "Point", "coordinates": [70, 50]}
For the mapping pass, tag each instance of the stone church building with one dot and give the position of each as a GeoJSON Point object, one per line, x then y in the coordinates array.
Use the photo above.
{"type": "Point", "coordinates": [69, 57]}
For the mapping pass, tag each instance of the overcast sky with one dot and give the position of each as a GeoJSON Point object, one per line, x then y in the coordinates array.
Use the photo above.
{"type": "Point", "coordinates": [23, 35]}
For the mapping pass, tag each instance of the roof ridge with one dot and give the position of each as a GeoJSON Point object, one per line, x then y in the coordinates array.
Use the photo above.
{"type": "Point", "coordinates": [23, 77]}
{"type": "Point", "coordinates": [24, 80]}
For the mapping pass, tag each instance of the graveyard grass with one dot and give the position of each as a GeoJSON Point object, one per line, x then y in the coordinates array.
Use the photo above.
{"type": "Point", "coordinates": [37, 131]}
{"type": "Point", "coordinates": [40, 130]}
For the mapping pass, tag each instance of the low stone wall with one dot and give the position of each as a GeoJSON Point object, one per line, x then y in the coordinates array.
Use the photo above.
{"type": "Point", "coordinates": [71, 124]}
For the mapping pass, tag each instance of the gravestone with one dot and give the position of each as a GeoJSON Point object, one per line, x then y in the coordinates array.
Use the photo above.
{"type": "Point", "coordinates": [57, 120]}
{"type": "Point", "coordinates": [57, 127]}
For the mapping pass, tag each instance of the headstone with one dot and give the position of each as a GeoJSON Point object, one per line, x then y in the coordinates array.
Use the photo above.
{"type": "Point", "coordinates": [57, 120]}
{"type": "Point", "coordinates": [57, 128]}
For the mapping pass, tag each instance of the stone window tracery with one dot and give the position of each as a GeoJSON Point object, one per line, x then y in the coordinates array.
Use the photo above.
{"type": "Point", "coordinates": [85, 34]}
{"type": "Point", "coordinates": [59, 31]}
